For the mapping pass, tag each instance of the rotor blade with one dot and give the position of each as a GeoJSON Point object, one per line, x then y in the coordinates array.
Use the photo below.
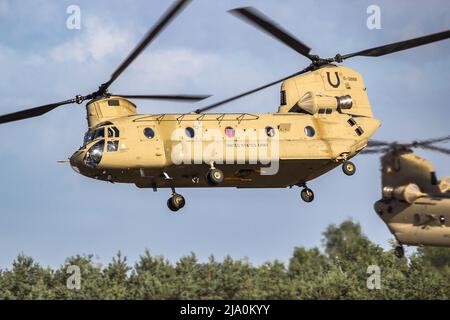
{"type": "Point", "coordinates": [399, 46]}
{"type": "Point", "coordinates": [374, 151]}
{"type": "Point", "coordinates": [377, 143]}
{"type": "Point", "coordinates": [151, 35]}
{"type": "Point", "coordinates": [437, 149]}
{"type": "Point", "coordinates": [180, 97]}
{"type": "Point", "coordinates": [431, 141]}
{"type": "Point", "coordinates": [33, 112]}
{"type": "Point", "coordinates": [215, 105]}
{"type": "Point", "coordinates": [258, 19]}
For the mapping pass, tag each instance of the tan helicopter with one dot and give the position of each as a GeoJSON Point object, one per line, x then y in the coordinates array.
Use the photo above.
{"type": "Point", "coordinates": [415, 205]}
{"type": "Point", "coordinates": [324, 119]}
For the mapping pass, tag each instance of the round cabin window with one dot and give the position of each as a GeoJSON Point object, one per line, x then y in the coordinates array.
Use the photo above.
{"type": "Point", "coordinates": [229, 132]}
{"type": "Point", "coordinates": [270, 131]}
{"type": "Point", "coordinates": [190, 132]}
{"type": "Point", "coordinates": [309, 131]}
{"type": "Point", "coordinates": [149, 133]}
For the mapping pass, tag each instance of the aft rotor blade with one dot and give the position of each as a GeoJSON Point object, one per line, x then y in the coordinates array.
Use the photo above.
{"type": "Point", "coordinates": [262, 22]}
{"type": "Point", "coordinates": [399, 46]}
{"type": "Point", "coordinates": [180, 97]}
{"type": "Point", "coordinates": [437, 149]}
{"type": "Point", "coordinates": [431, 141]}
{"type": "Point", "coordinates": [374, 151]}
{"type": "Point", "coordinates": [377, 143]}
{"type": "Point", "coordinates": [33, 112]}
{"type": "Point", "coordinates": [149, 37]}
{"type": "Point", "coordinates": [217, 104]}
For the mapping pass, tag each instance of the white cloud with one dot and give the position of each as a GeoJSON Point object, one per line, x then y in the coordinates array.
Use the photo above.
{"type": "Point", "coordinates": [95, 42]}
{"type": "Point", "coordinates": [168, 65]}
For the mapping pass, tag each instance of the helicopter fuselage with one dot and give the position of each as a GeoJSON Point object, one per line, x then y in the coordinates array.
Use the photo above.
{"type": "Point", "coordinates": [324, 119]}
{"type": "Point", "coordinates": [423, 222]}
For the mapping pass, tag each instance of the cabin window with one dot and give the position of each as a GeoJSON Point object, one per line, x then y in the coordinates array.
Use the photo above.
{"type": "Point", "coordinates": [113, 146]}
{"type": "Point", "coordinates": [434, 180]}
{"type": "Point", "coordinates": [270, 131]}
{"type": "Point", "coordinates": [309, 131]}
{"type": "Point", "coordinates": [359, 131]}
{"type": "Point", "coordinates": [283, 97]}
{"type": "Point", "coordinates": [351, 122]}
{"type": "Point", "coordinates": [329, 111]}
{"type": "Point", "coordinates": [149, 133]}
{"type": "Point", "coordinates": [321, 111]}
{"type": "Point", "coordinates": [229, 132]}
{"type": "Point", "coordinates": [190, 132]}
{"type": "Point", "coordinates": [442, 220]}
{"type": "Point", "coordinates": [113, 103]}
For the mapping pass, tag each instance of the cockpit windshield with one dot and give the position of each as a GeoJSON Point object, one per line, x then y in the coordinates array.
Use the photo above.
{"type": "Point", "coordinates": [100, 133]}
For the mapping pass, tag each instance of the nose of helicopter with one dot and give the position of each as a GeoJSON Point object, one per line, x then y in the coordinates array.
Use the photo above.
{"type": "Point", "coordinates": [76, 160]}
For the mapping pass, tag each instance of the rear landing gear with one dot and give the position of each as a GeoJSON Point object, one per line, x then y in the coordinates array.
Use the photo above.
{"type": "Point", "coordinates": [307, 195]}
{"type": "Point", "coordinates": [176, 201]}
{"type": "Point", "coordinates": [399, 251]}
{"type": "Point", "coordinates": [349, 168]}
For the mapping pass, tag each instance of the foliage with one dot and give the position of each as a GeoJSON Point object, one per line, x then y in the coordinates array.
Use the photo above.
{"type": "Point", "coordinates": [338, 272]}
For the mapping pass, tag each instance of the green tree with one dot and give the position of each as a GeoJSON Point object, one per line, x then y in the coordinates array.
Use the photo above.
{"type": "Point", "coordinates": [152, 278]}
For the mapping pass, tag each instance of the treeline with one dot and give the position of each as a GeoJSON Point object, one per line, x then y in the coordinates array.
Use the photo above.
{"type": "Point", "coordinates": [340, 271]}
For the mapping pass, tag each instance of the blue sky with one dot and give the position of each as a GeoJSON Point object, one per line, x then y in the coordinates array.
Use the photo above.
{"type": "Point", "coordinates": [49, 212]}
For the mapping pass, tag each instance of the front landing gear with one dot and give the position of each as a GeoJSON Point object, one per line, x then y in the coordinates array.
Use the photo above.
{"type": "Point", "coordinates": [176, 201]}
{"type": "Point", "coordinates": [399, 251]}
{"type": "Point", "coordinates": [307, 195]}
{"type": "Point", "coordinates": [349, 168]}
{"type": "Point", "coordinates": [214, 176]}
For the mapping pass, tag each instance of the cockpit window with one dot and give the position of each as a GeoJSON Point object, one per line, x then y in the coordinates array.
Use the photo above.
{"type": "Point", "coordinates": [88, 137]}
{"type": "Point", "coordinates": [91, 135]}
{"type": "Point", "coordinates": [99, 133]}
{"type": "Point", "coordinates": [110, 133]}
{"type": "Point", "coordinates": [116, 132]}
{"type": "Point", "coordinates": [113, 146]}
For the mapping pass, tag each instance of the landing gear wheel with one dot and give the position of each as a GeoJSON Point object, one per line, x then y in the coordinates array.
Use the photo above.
{"type": "Point", "coordinates": [349, 168]}
{"type": "Point", "coordinates": [176, 202]}
{"type": "Point", "coordinates": [399, 251]}
{"type": "Point", "coordinates": [307, 195]}
{"type": "Point", "coordinates": [215, 176]}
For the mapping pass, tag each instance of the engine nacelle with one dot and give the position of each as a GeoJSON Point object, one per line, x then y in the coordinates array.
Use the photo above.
{"type": "Point", "coordinates": [314, 103]}
{"type": "Point", "coordinates": [408, 193]}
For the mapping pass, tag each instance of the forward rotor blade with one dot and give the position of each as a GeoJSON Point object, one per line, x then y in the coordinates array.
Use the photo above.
{"type": "Point", "coordinates": [149, 37]}
{"type": "Point", "coordinates": [33, 112]}
{"type": "Point", "coordinates": [399, 46]}
{"type": "Point", "coordinates": [437, 149]}
{"type": "Point", "coordinates": [262, 22]}
{"type": "Point", "coordinates": [180, 98]}
{"type": "Point", "coordinates": [217, 104]}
